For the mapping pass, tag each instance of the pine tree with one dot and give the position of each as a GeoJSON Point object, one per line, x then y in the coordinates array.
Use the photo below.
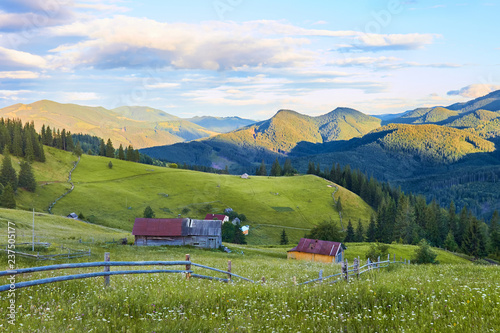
{"type": "Point", "coordinates": [452, 218]}
{"type": "Point", "coordinates": [29, 151]}
{"type": "Point", "coordinates": [405, 218]}
{"type": "Point", "coordinates": [371, 232]}
{"type": "Point", "coordinates": [474, 242]}
{"type": "Point", "coordinates": [70, 145]}
{"type": "Point", "coordinates": [328, 231]}
{"type": "Point", "coordinates": [148, 212]}
{"type": "Point", "coordinates": [78, 150]}
{"type": "Point", "coordinates": [495, 232]}
{"type": "Point", "coordinates": [130, 153]}
{"type": "Point", "coordinates": [7, 173]}
{"type": "Point", "coordinates": [317, 172]}
{"type": "Point", "coordinates": [121, 153]}
{"type": "Point", "coordinates": [26, 177]}
{"type": "Point", "coordinates": [349, 237]}
{"type": "Point", "coordinates": [287, 168]}
{"type": "Point", "coordinates": [284, 238]}
{"type": "Point", "coordinates": [48, 137]}
{"type": "Point", "coordinates": [262, 169]}
{"type": "Point", "coordinates": [102, 148]}
{"type": "Point", "coordinates": [110, 151]}
{"type": "Point", "coordinates": [110, 165]}
{"type": "Point", "coordinates": [424, 254]}
{"type": "Point", "coordinates": [63, 139]}
{"type": "Point", "coordinates": [17, 142]}
{"type": "Point", "coordinates": [8, 199]}
{"type": "Point", "coordinates": [359, 235]}
{"type": "Point", "coordinates": [462, 226]}
{"type": "Point", "coordinates": [310, 168]}
{"type": "Point", "coordinates": [449, 242]}
{"type": "Point", "coordinates": [276, 168]}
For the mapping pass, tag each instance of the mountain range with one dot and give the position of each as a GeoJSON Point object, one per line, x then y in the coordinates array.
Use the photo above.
{"type": "Point", "coordinates": [139, 126]}
{"type": "Point", "coordinates": [444, 152]}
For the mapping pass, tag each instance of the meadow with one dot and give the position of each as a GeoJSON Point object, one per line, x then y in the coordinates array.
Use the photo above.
{"type": "Point", "coordinates": [115, 196]}
{"type": "Point", "coordinates": [455, 295]}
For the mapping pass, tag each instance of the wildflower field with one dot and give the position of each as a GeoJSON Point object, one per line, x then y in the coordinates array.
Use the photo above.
{"type": "Point", "coordinates": [440, 298]}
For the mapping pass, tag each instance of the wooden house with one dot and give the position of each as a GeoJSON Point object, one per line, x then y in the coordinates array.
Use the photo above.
{"type": "Point", "coordinates": [180, 231]}
{"type": "Point", "coordinates": [317, 250]}
{"type": "Point", "coordinates": [220, 217]}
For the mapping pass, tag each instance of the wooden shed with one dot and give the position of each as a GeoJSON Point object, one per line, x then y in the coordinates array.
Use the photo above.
{"type": "Point", "coordinates": [180, 231]}
{"type": "Point", "coordinates": [317, 250]}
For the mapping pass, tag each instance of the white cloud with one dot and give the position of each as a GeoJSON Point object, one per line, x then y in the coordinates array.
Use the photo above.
{"type": "Point", "coordinates": [379, 42]}
{"type": "Point", "coordinates": [19, 75]}
{"type": "Point", "coordinates": [79, 96]}
{"type": "Point", "coordinates": [162, 85]}
{"type": "Point", "coordinates": [18, 59]}
{"type": "Point", "coordinates": [124, 41]}
{"type": "Point", "coordinates": [12, 95]}
{"type": "Point", "coordinates": [386, 63]}
{"type": "Point", "coordinates": [475, 90]}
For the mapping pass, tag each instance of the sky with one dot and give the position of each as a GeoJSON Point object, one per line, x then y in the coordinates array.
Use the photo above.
{"type": "Point", "coordinates": [249, 58]}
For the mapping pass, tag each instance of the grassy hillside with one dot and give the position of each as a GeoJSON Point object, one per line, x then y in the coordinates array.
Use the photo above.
{"type": "Point", "coordinates": [432, 142]}
{"type": "Point", "coordinates": [139, 126]}
{"type": "Point", "coordinates": [115, 197]}
{"type": "Point", "coordinates": [442, 296]}
{"type": "Point", "coordinates": [243, 149]}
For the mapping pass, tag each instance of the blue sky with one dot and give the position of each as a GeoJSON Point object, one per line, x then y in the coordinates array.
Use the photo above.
{"type": "Point", "coordinates": [249, 58]}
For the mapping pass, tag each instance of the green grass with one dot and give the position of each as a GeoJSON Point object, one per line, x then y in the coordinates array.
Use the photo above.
{"type": "Point", "coordinates": [115, 197]}
{"type": "Point", "coordinates": [441, 297]}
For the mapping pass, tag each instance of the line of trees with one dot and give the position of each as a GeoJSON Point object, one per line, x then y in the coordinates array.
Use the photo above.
{"type": "Point", "coordinates": [276, 169]}
{"type": "Point", "coordinates": [21, 140]}
{"type": "Point", "coordinates": [408, 218]}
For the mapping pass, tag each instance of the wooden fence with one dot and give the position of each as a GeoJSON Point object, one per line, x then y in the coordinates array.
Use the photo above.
{"type": "Point", "coordinates": [107, 273]}
{"type": "Point", "coordinates": [356, 270]}
{"type": "Point", "coordinates": [69, 253]}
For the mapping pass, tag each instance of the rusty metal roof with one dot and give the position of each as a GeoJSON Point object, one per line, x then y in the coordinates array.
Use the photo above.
{"type": "Point", "coordinates": [176, 227]}
{"type": "Point", "coordinates": [219, 217]}
{"type": "Point", "coordinates": [316, 246]}
{"type": "Point", "coordinates": [158, 227]}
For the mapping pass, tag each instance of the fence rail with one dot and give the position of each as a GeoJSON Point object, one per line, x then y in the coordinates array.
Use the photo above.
{"type": "Point", "coordinates": [355, 270]}
{"type": "Point", "coordinates": [346, 273]}
{"type": "Point", "coordinates": [106, 273]}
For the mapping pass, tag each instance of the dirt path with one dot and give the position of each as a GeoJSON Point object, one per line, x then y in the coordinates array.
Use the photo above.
{"type": "Point", "coordinates": [68, 191]}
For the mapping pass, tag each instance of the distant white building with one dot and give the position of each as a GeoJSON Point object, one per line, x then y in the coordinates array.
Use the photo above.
{"type": "Point", "coordinates": [244, 176]}
{"type": "Point", "coordinates": [73, 216]}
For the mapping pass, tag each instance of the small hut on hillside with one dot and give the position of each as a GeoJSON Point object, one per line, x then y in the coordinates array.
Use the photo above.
{"type": "Point", "coordinates": [317, 250]}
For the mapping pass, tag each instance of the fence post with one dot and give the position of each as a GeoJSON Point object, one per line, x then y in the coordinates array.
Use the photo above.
{"type": "Point", "coordinates": [378, 263]}
{"type": "Point", "coordinates": [388, 258]}
{"type": "Point", "coordinates": [294, 280]}
{"type": "Point", "coordinates": [368, 264]}
{"type": "Point", "coordinates": [408, 261]}
{"type": "Point", "coordinates": [394, 257]}
{"type": "Point", "coordinates": [320, 276]}
{"type": "Point", "coordinates": [188, 267]}
{"type": "Point", "coordinates": [356, 267]}
{"type": "Point", "coordinates": [229, 270]}
{"type": "Point", "coordinates": [106, 269]}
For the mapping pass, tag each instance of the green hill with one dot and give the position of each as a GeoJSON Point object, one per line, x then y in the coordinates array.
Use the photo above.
{"type": "Point", "coordinates": [244, 148]}
{"type": "Point", "coordinates": [138, 126]}
{"type": "Point", "coordinates": [115, 197]}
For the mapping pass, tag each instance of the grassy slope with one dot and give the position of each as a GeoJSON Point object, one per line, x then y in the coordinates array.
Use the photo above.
{"type": "Point", "coordinates": [105, 123]}
{"type": "Point", "coordinates": [51, 177]}
{"type": "Point", "coordinates": [107, 194]}
{"type": "Point", "coordinates": [133, 301]}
